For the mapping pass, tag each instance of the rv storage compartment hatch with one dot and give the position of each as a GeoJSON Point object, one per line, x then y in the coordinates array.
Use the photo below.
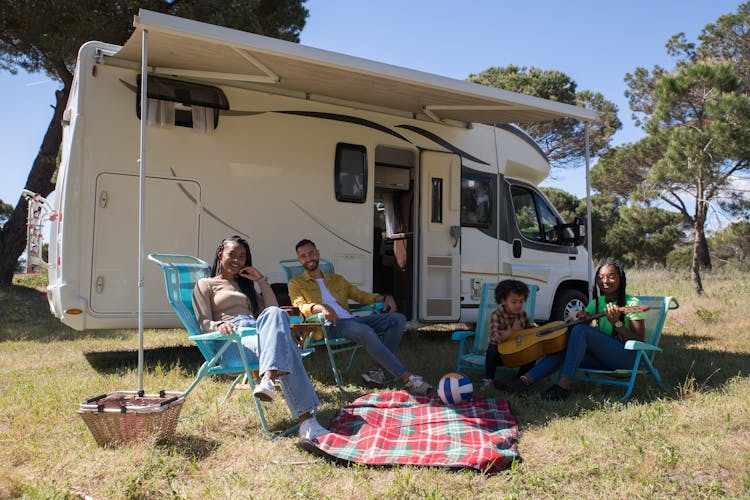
{"type": "Point", "coordinates": [392, 178]}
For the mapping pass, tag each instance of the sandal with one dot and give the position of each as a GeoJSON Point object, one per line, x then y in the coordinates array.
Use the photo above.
{"type": "Point", "coordinates": [555, 393]}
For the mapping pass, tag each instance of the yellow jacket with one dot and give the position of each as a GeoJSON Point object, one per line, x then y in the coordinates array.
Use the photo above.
{"type": "Point", "coordinates": [304, 292]}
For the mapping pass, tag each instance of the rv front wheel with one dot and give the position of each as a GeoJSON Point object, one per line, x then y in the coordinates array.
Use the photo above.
{"type": "Point", "coordinates": [566, 303]}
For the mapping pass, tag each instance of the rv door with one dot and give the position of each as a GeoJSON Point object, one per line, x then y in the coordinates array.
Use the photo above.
{"type": "Point", "coordinates": [440, 237]}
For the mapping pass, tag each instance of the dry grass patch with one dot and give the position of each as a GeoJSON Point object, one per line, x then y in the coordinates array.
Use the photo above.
{"type": "Point", "coordinates": [691, 440]}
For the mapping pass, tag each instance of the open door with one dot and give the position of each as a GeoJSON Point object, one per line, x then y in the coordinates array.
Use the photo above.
{"type": "Point", "coordinates": [440, 237]}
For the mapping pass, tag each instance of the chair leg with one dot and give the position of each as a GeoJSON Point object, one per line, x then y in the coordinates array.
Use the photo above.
{"type": "Point", "coordinates": [351, 360]}
{"type": "Point", "coordinates": [334, 368]}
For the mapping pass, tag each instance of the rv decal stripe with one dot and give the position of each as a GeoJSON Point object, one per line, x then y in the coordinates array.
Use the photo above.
{"type": "Point", "coordinates": [204, 209]}
{"type": "Point", "coordinates": [438, 140]}
{"type": "Point", "coordinates": [502, 275]}
{"type": "Point", "coordinates": [348, 119]}
{"type": "Point", "coordinates": [327, 228]}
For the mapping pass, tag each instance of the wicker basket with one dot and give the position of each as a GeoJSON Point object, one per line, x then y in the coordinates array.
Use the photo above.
{"type": "Point", "coordinates": [129, 416]}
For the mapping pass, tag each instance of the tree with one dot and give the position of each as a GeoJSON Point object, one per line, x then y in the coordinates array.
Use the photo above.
{"type": "Point", "coordinates": [5, 210]}
{"type": "Point", "coordinates": [733, 242]}
{"type": "Point", "coordinates": [562, 140]}
{"type": "Point", "coordinates": [697, 120]}
{"type": "Point", "coordinates": [643, 235]}
{"type": "Point", "coordinates": [44, 36]}
{"type": "Point", "coordinates": [729, 40]}
{"type": "Point", "coordinates": [567, 204]}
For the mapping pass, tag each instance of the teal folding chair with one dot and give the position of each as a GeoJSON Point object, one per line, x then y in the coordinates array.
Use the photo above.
{"type": "Point", "coordinates": [472, 347]}
{"type": "Point", "coordinates": [645, 351]}
{"type": "Point", "coordinates": [334, 345]}
{"type": "Point", "coordinates": [181, 273]}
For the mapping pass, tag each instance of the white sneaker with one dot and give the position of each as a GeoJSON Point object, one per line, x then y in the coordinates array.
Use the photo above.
{"type": "Point", "coordinates": [417, 385]}
{"type": "Point", "coordinates": [265, 390]}
{"type": "Point", "coordinates": [311, 429]}
{"type": "Point", "coordinates": [375, 377]}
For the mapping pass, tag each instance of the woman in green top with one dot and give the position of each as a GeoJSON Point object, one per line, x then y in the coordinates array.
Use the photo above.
{"type": "Point", "coordinates": [598, 346]}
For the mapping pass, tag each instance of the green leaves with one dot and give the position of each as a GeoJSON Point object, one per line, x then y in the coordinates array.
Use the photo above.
{"type": "Point", "coordinates": [563, 141]}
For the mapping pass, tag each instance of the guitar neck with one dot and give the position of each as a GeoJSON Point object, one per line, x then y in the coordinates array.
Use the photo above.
{"type": "Point", "coordinates": [568, 324]}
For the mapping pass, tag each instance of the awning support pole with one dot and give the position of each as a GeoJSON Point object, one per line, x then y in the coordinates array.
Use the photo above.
{"type": "Point", "coordinates": [588, 214]}
{"type": "Point", "coordinates": [141, 200]}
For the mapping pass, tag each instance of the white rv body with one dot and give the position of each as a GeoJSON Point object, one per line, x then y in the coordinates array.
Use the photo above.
{"type": "Point", "coordinates": [277, 169]}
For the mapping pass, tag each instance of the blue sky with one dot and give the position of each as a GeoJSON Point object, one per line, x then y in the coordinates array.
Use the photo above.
{"type": "Point", "coordinates": [595, 42]}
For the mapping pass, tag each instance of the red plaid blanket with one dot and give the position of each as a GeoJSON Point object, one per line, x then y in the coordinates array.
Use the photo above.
{"type": "Point", "coordinates": [393, 428]}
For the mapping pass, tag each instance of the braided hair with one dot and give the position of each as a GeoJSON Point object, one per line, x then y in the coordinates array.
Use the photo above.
{"type": "Point", "coordinates": [246, 286]}
{"type": "Point", "coordinates": [620, 289]}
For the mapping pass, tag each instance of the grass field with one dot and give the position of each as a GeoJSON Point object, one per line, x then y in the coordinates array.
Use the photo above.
{"type": "Point", "coordinates": [691, 440]}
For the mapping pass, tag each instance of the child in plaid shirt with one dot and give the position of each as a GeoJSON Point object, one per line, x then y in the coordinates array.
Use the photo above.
{"type": "Point", "coordinates": [507, 318]}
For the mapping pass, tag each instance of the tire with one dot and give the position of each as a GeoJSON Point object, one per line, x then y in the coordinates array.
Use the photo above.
{"type": "Point", "coordinates": [566, 302]}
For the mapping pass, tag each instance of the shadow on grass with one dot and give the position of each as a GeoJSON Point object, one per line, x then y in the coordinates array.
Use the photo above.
{"type": "Point", "coordinates": [431, 353]}
{"type": "Point", "coordinates": [191, 447]}
{"type": "Point", "coordinates": [187, 357]}
{"type": "Point", "coordinates": [25, 316]}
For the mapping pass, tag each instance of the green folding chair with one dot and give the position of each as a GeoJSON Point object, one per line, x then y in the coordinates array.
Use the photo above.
{"type": "Point", "coordinates": [334, 345]}
{"type": "Point", "coordinates": [472, 347]}
{"type": "Point", "coordinates": [645, 351]}
{"type": "Point", "coordinates": [181, 273]}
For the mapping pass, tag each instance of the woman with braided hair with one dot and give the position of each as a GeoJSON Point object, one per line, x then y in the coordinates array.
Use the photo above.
{"type": "Point", "coordinates": [228, 300]}
{"type": "Point", "coordinates": [597, 346]}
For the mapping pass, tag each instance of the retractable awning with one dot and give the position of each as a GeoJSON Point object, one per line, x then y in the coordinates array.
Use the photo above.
{"type": "Point", "coordinates": [200, 51]}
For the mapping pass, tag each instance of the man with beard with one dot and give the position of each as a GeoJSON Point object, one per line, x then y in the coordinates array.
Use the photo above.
{"type": "Point", "coordinates": [316, 292]}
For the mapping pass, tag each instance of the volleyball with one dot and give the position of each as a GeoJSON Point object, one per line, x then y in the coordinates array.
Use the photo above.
{"type": "Point", "coordinates": [455, 388]}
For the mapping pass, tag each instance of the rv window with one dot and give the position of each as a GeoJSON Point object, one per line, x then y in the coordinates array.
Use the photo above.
{"type": "Point", "coordinates": [437, 200]}
{"type": "Point", "coordinates": [536, 220]}
{"type": "Point", "coordinates": [350, 173]}
{"type": "Point", "coordinates": [196, 105]}
{"type": "Point", "coordinates": [476, 200]}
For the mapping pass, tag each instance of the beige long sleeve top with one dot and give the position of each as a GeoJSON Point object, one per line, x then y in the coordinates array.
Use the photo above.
{"type": "Point", "coordinates": [216, 300]}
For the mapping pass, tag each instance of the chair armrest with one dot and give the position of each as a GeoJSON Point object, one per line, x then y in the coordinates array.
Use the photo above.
{"type": "Point", "coordinates": [238, 334]}
{"type": "Point", "coordinates": [462, 335]}
{"type": "Point", "coordinates": [376, 307]}
{"type": "Point", "coordinates": [635, 345]}
{"type": "Point", "coordinates": [315, 318]}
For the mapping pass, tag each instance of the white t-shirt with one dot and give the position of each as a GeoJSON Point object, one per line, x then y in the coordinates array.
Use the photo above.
{"type": "Point", "coordinates": [331, 300]}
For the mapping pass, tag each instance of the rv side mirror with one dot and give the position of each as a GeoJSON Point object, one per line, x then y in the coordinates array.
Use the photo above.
{"type": "Point", "coordinates": [573, 233]}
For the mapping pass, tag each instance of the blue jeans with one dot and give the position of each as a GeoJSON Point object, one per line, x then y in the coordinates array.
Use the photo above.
{"type": "Point", "coordinates": [364, 331]}
{"type": "Point", "coordinates": [587, 348]}
{"type": "Point", "coordinates": [274, 349]}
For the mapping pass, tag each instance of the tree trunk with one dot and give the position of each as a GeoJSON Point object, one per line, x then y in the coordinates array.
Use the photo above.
{"type": "Point", "coordinates": [695, 269]}
{"type": "Point", "coordinates": [704, 256]}
{"type": "Point", "coordinates": [13, 234]}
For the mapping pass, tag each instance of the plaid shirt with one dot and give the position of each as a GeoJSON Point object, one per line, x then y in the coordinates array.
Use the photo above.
{"type": "Point", "coordinates": [502, 322]}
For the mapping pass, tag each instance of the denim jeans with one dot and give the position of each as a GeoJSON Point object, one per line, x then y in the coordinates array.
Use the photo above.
{"type": "Point", "coordinates": [587, 348]}
{"type": "Point", "coordinates": [274, 349]}
{"type": "Point", "coordinates": [364, 331]}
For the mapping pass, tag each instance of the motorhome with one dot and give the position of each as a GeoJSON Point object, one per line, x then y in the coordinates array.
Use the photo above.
{"type": "Point", "coordinates": [412, 184]}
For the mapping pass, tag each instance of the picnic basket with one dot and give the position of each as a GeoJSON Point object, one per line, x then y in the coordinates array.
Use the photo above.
{"type": "Point", "coordinates": [131, 416]}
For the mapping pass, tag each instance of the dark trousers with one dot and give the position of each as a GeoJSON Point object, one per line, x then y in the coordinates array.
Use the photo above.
{"type": "Point", "coordinates": [492, 361]}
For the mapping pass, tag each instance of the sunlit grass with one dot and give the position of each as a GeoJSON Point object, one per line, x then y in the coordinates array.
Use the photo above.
{"type": "Point", "coordinates": [690, 440]}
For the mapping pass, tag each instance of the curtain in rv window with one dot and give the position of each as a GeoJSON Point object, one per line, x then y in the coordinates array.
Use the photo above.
{"type": "Point", "coordinates": [184, 104]}
{"type": "Point", "coordinates": [477, 195]}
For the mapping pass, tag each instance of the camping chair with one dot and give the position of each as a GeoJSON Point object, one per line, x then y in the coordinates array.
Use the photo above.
{"type": "Point", "coordinates": [334, 345]}
{"type": "Point", "coordinates": [181, 273]}
{"type": "Point", "coordinates": [645, 351]}
{"type": "Point", "coordinates": [471, 355]}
